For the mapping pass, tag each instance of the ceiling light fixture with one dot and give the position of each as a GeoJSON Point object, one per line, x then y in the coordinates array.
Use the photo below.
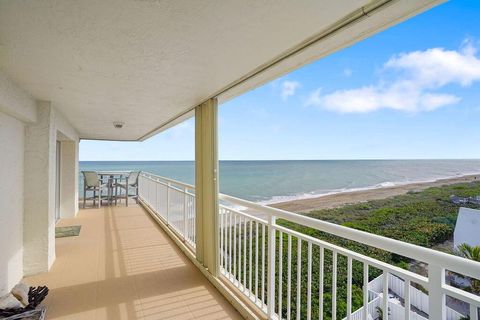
{"type": "Point", "coordinates": [118, 124]}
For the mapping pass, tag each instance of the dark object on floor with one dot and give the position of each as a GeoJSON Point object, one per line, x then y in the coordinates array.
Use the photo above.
{"type": "Point", "coordinates": [70, 231]}
{"type": "Point", "coordinates": [33, 310]}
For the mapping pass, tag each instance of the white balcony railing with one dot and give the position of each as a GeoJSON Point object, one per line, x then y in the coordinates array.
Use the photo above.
{"type": "Point", "coordinates": [173, 202]}
{"type": "Point", "coordinates": [418, 299]}
{"type": "Point", "coordinates": [293, 275]}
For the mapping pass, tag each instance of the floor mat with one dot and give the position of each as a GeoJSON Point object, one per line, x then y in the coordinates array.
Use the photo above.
{"type": "Point", "coordinates": [70, 231]}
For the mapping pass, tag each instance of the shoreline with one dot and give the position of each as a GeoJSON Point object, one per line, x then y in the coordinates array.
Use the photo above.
{"type": "Point", "coordinates": [335, 200]}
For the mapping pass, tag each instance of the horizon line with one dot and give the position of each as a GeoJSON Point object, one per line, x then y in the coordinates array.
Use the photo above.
{"type": "Point", "coordinates": [358, 159]}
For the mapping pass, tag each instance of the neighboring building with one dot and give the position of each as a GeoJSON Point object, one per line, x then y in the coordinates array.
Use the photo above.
{"type": "Point", "coordinates": [467, 227]}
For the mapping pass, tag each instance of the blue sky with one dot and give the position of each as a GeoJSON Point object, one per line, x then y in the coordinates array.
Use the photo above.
{"type": "Point", "coordinates": [410, 92]}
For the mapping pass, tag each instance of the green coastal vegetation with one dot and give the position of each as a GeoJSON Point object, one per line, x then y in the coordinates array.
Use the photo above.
{"type": "Point", "coordinates": [426, 218]}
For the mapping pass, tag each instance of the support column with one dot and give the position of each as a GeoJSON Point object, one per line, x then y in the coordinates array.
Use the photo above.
{"type": "Point", "coordinates": [39, 192]}
{"type": "Point", "coordinates": [69, 179]}
{"type": "Point", "coordinates": [206, 185]}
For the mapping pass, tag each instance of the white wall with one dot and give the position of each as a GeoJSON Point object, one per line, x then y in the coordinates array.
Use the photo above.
{"type": "Point", "coordinates": [16, 109]}
{"type": "Point", "coordinates": [69, 166]}
{"type": "Point", "coordinates": [15, 102]}
{"type": "Point", "coordinates": [28, 134]}
{"type": "Point", "coordinates": [68, 179]}
{"type": "Point", "coordinates": [12, 134]}
{"type": "Point", "coordinates": [40, 165]}
{"type": "Point", "coordinates": [39, 214]}
{"type": "Point", "coordinates": [466, 228]}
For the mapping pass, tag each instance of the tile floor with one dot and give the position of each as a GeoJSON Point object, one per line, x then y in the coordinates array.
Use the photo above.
{"type": "Point", "coordinates": [123, 266]}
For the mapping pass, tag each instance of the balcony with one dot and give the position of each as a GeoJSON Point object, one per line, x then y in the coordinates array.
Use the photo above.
{"type": "Point", "coordinates": [282, 273]}
{"type": "Point", "coordinates": [124, 266]}
{"type": "Point", "coordinates": [138, 262]}
{"type": "Point", "coordinates": [125, 71]}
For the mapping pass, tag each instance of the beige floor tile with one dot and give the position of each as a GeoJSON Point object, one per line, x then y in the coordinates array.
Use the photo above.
{"type": "Point", "coordinates": [123, 266]}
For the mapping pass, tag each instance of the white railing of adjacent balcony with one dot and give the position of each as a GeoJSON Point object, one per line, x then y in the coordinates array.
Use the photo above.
{"type": "Point", "coordinates": [292, 275]}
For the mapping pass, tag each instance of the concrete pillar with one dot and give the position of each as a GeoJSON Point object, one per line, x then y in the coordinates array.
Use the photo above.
{"type": "Point", "coordinates": [40, 181]}
{"type": "Point", "coordinates": [12, 137]}
{"type": "Point", "coordinates": [206, 185]}
{"type": "Point", "coordinates": [39, 192]}
{"type": "Point", "coordinates": [68, 179]}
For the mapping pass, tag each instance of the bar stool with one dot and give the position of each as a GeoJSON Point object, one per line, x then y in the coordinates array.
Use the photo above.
{"type": "Point", "coordinates": [91, 182]}
{"type": "Point", "coordinates": [131, 181]}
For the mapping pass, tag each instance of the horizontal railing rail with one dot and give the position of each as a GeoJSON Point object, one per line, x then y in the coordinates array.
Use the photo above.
{"type": "Point", "coordinates": [167, 180]}
{"type": "Point", "coordinates": [292, 275]}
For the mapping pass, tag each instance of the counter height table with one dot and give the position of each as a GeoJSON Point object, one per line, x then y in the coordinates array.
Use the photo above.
{"type": "Point", "coordinates": [113, 177]}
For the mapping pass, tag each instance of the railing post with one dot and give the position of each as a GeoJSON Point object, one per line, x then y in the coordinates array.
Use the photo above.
{"type": "Point", "coordinates": [406, 300]}
{"type": "Point", "coordinates": [436, 297]}
{"type": "Point", "coordinates": [385, 300]}
{"type": "Point", "coordinates": [156, 196]}
{"type": "Point", "coordinates": [147, 191]}
{"type": "Point", "coordinates": [140, 187]}
{"type": "Point", "coordinates": [168, 203]}
{"type": "Point", "coordinates": [185, 213]}
{"type": "Point", "coordinates": [271, 267]}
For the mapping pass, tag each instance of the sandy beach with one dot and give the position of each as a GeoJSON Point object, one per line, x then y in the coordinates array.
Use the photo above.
{"type": "Point", "coordinates": [344, 198]}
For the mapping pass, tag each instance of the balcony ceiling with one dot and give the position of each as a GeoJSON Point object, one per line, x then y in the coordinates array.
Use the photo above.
{"type": "Point", "coordinates": [146, 62]}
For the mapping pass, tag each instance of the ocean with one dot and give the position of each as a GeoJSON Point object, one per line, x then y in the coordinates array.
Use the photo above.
{"type": "Point", "coordinates": [276, 181]}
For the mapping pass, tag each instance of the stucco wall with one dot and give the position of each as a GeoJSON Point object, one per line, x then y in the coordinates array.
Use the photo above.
{"type": "Point", "coordinates": [16, 102]}
{"type": "Point", "coordinates": [11, 201]}
{"type": "Point", "coordinates": [39, 214]}
{"type": "Point", "coordinates": [69, 149]}
{"type": "Point", "coordinates": [69, 179]}
{"type": "Point", "coordinates": [40, 180]}
{"type": "Point", "coordinates": [62, 126]}
{"type": "Point", "coordinates": [28, 134]}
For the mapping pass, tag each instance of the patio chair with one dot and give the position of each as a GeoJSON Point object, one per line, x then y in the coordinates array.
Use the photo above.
{"type": "Point", "coordinates": [92, 182]}
{"type": "Point", "coordinates": [131, 182]}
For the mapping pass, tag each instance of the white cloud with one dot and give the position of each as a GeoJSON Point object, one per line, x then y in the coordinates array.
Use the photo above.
{"type": "Point", "coordinates": [398, 96]}
{"type": "Point", "coordinates": [438, 67]}
{"type": "Point", "coordinates": [289, 88]}
{"type": "Point", "coordinates": [417, 78]}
